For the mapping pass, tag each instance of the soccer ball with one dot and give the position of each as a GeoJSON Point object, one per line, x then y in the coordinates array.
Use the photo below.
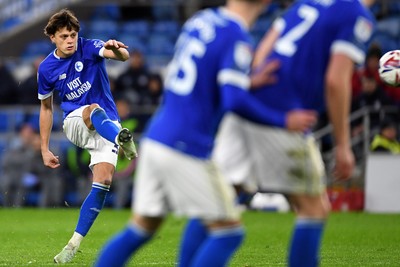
{"type": "Point", "coordinates": [389, 68]}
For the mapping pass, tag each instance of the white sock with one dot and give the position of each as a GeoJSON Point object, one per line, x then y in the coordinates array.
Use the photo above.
{"type": "Point", "coordinates": [76, 239]}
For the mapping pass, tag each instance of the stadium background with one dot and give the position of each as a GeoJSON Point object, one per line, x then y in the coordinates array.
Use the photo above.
{"type": "Point", "coordinates": [152, 28]}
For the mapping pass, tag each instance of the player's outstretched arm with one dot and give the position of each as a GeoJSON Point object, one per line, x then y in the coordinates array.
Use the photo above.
{"type": "Point", "coordinates": [116, 50]}
{"type": "Point", "coordinates": [46, 123]}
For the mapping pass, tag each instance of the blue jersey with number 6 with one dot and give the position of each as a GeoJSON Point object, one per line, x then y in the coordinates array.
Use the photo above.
{"type": "Point", "coordinates": [310, 32]}
{"type": "Point", "coordinates": [207, 76]}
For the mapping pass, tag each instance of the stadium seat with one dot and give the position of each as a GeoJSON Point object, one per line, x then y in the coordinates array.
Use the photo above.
{"type": "Point", "coordinates": [166, 27]}
{"type": "Point", "coordinates": [390, 26]}
{"type": "Point", "coordinates": [165, 10]}
{"type": "Point", "coordinates": [4, 121]}
{"type": "Point", "coordinates": [106, 27]}
{"type": "Point", "coordinates": [10, 23]}
{"type": "Point", "coordinates": [137, 28]}
{"type": "Point", "coordinates": [160, 45]}
{"type": "Point", "coordinates": [385, 41]}
{"type": "Point", "coordinates": [134, 42]}
{"type": "Point", "coordinates": [3, 146]}
{"type": "Point", "coordinates": [37, 48]}
{"type": "Point", "coordinates": [106, 11]}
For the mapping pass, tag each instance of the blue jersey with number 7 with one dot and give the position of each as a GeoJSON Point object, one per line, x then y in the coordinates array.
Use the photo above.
{"type": "Point", "coordinates": [310, 32]}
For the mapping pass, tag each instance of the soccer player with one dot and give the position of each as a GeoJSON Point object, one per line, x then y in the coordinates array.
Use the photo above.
{"type": "Point", "coordinates": [317, 43]}
{"type": "Point", "coordinates": [76, 70]}
{"type": "Point", "coordinates": [207, 77]}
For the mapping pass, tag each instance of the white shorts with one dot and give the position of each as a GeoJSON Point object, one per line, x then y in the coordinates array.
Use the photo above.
{"type": "Point", "coordinates": [167, 180]}
{"type": "Point", "coordinates": [273, 159]}
{"type": "Point", "coordinates": [100, 149]}
{"type": "Point", "coordinates": [231, 152]}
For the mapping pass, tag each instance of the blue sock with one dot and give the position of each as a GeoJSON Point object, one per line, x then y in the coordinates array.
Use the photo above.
{"type": "Point", "coordinates": [103, 125]}
{"type": "Point", "coordinates": [305, 246]}
{"type": "Point", "coordinates": [218, 248]}
{"type": "Point", "coordinates": [119, 249]}
{"type": "Point", "coordinates": [194, 235]}
{"type": "Point", "coordinates": [91, 207]}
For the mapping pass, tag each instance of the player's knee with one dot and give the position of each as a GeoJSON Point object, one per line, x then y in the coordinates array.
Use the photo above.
{"type": "Point", "coordinates": [149, 224]}
{"type": "Point", "coordinates": [223, 224]}
{"type": "Point", "coordinates": [107, 181]}
{"type": "Point", "coordinates": [94, 106]}
{"type": "Point", "coordinates": [317, 208]}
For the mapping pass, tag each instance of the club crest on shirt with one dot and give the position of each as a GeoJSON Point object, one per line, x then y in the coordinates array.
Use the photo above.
{"type": "Point", "coordinates": [78, 66]}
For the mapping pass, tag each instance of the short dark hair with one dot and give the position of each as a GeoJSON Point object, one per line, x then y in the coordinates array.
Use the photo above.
{"type": "Point", "coordinates": [61, 19]}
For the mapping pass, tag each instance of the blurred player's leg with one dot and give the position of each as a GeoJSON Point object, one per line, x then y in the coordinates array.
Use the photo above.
{"type": "Point", "coordinates": [219, 247]}
{"type": "Point", "coordinates": [298, 171]}
{"type": "Point", "coordinates": [124, 245]}
{"type": "Point", "coordinates": [193, 237]}
{"type": "Point", "coordinates": [311, 213]}
{"type": "Point", "coordinates": [305, 244]}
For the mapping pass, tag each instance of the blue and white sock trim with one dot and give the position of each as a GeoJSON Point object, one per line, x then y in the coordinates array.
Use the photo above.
{"type": "Point", "coordinates": [228, 231]}
{"type": "Point", "coordinates": [309, 222]}
{"type": "Point", "coordinates": [101, 186]}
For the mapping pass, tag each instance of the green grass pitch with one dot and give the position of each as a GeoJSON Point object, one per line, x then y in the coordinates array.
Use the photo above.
{"type": "Point", "coordinates": [31, 237]}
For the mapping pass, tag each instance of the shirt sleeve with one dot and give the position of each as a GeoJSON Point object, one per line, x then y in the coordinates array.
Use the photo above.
{"type": "Point", "coordinates": [354, 36]}
{"type": "Point", "coordinates": [95, 47]}
{"type": "Point", "coordinates": [236, 65]}
{"type": "Point", "coordinates": [45, 89]}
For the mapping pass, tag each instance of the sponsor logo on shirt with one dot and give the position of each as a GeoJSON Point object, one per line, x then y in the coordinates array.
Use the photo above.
{"type": "Point", "coordinates": [77, 88]}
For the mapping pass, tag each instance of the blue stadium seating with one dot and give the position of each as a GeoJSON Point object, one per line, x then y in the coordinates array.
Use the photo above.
{"type": "Point", "coordinates": [4, 121]}
{"type": "Point", "coordinates": [134, 42]}
{"type": "Point", "coordinates": [385, 41]}
{"type": "Point", "coordinates": [390, 26]}
{"type": "Point", "coordinates": [137, 28]}
{"type": "Point", "coordinates": [106, 27]}
{"type": "Point", "coordinates": [166, 27]}
{"type": "Point", "coordinates": [10, 23]}
{"type": "Point", "coordinates": [165, 9]}
{"type": "Point", "coordinates": [160, 45]}
{"type": "Point", "coordinates": [108, 11]}
{"type": "Point", "coordinates": [37, 48]}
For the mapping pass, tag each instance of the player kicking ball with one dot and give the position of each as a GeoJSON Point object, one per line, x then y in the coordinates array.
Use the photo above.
{"type": "Point", "coordinates": [76, 70]}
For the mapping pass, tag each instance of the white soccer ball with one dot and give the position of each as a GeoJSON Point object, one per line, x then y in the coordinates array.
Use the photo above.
{"type": "Point", "coordinates": [389, 68]}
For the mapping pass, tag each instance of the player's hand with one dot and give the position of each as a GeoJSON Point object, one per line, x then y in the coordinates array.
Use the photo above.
{"type": "Point", "coordinates": [301, 120]}
{"type": "Point", "coordinates": [264, 75]}
{"type": "Point", "coordinates": [344, 163]}
{"type": "Point", "coordinates": [50, 160]}
{"type": "Point", "coordinates": [114, 45]}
